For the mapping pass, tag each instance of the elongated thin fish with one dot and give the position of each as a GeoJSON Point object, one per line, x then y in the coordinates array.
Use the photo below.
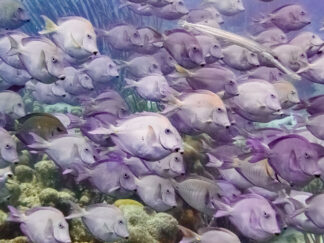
{"type": "Point", "coordinates": [244, 42]}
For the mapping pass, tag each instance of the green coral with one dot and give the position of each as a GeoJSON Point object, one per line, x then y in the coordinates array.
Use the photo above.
{"type": "Point", "coordinates": [24, 173]}
{"type": "Point", "coordinates": [149, 227]}
{"type": "Point", "coordinates": [20, 239]}
{"type": "Point", "coordinates": [47, 173]}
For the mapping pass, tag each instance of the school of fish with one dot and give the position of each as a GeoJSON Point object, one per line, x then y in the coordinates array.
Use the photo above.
{"type": "Point", "coordinates": [201, 144]}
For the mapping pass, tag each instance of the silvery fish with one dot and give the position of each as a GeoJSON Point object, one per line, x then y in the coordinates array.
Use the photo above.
{"type": "Point", "coordinates": [42, 224]}
{"type": "Point", "coordinates": [12, 14]}
{"type": "Point", "coordinates": [75, 35]}
{"type": "Point", "coordinates": [105, 222]}
{"type": "Point", "coordinates": [149, 136]}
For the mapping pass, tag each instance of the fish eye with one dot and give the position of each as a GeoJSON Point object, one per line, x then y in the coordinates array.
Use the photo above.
{"type": "Point", "coordinates": [126, 176]}
{"type": "Point", "coordinates": [61, 226]}
{"type": "Point", "coordinates": [20, 10]}
{"type": "Point", "coordinates": [19, 105]}
{"type": "Point", "coordinates": [154, 66]}
{"type": "Point", "coordinates": [110, 66]}
{"type": "Point", "coordinates": [8, 146]}
{"type": "Point", "coordinates": [273, 96]}
{"type": "Point", "coordinates": [292, 92]}
{"type": "Point", "coordinates": [313, 36]}
{"type": "Point", "coordinates": [195, 48]}
{"type": "Point", "coordinates": [135, 35]}
{"type": "Point", "coordinates": [180, 3]}
{"type": "Point", "coordinates": [215, 46]}
{"type": "Point", "coordinates": [120, 222]}
{"type": "Point", "coordinates": [176, 159]}
{"type": "Point", "coordinates": [168, 191]}
{"type": "Point", "coordinates": [54, 60]}
{"type": "Point", "coordinates": [220, 109]}
{"type": "Point", "coordinates": [282, 37]}
{"type": "Point", "coordinates": [302, 55]}
{"type": "Point", "coordinates": [307, 156]}
{"type": "Point", "coordinates": [89, 36]}
{"type": "Point", "coordinates": [302, 13]}
{"type": "Point", "coordinates": [231, 82]}
{"type": "Point", "coordinates": [170, 58]}
{"type": "Point", "coordinates": [167, 131]}
{"type": "Point", "coordinates": [252, 55]}
{"type": "Point", "coordinates": [266, 215]}
{"type": "Point", "coordinates": [86, 150]}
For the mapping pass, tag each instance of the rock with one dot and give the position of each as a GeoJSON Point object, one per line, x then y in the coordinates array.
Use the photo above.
{"type": "Point", "coordinates": [20, 239]}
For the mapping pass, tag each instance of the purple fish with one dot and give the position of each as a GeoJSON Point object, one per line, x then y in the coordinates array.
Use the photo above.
{"type": "Point", "coordinates": [166, 61]}
{"type": "Point", "coordinates": [271, 37]}
{"type": "Point", "coordinates": [211, 48]}
{"type": "Point", "coordinates": [8, 149]}
{"type": "Point", "coordinates": [101, 69]}
{"type": "Point", "coordinates": [153, 40]}
{"type": "Point", "coordinates": [105, 222]}
{"type": "Point", "coordinates": [109, 177]}
{"type": "Point", "coordinates": [172, 11]}
{"type": "Point", "coordinates": [240, 58]}
{"type": "Point", "coordinates": [288, 18]}
{"type": "Point", "coordinates": [184, 47]}
{"type": "Point", "coordinates": [42, 224]}
{"type": "Point", "coordinates": [258, 221]}
{"type": "Point", "coordinates": [142, 66]}
{"type": "Point", "coordinates": [156, 192]}
{"type": "Point", "coordinates": [310, 42]}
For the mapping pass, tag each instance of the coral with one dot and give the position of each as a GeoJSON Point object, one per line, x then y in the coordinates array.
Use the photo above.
{"type": "Point", "coordinates": [20, 239]}
{"type": "Point", "coordinates": [79, 233]}
{"type": "Point", "coordinates": [47, 173]}
{"type": "Point", "coordinates": [147, 226]}
{"type": "Point", "coordinates": [24, 173]}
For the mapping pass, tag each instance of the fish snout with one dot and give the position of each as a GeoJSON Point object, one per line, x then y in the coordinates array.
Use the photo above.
{"type": "Point", "coordinates": [277, 233]}
{"type": "Point", "coordinates": [126, 237]}
{"type": "Point", "coordinates": [10, 175]}
{"type": "Point", "coordinates": [317, 175]}
{"type": "Point", "coordinates": [95, 53]}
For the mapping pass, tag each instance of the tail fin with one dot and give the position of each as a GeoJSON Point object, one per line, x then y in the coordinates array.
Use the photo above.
{"type": "Point", "coordinates": [130, 83]}
{"type": "Point", "coordinates": [77, 211]}
{"type": "Point", "coordinates": [259, 150]}
{"type": "Point", "coordinates": [223, 209]}
{"type": "Point", "coordinates": [14, 46]}
{"type": "Point", "coordinates": [302, 105]}
{"type": "Point", "coordinates": [37, 142]}
{"type": "Point", "coordinates": [263, 20]}
{"type": "Point", "coordinates": [173, 105]}
{"type": "Point", "coordinates": [182, 70]}
{"type": "Point", "coordinates": [83, 173]}
{"type": "Point", "coordinates": [50, 26]}
{"type": "Point", "coordinates": [102, 130]}
{"type": "Point", "coordinates": [15, 215]}
{"type": "Point", "coordinates": [304, 69]}
{"type": "Point", "coordinates": [188, 235]}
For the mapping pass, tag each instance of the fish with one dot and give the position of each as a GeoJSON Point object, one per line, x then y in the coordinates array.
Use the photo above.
{"type": "Point", "coordinates": [165, 60]}
{"type": "Point", "coordinates": [123, 37]}
{"type": "Point", "coordinates": [172, 11]}
{"type": "Point", "coordinates": [311, 43]}
{"type": "Point", "coordinates": [291, 56]}
{"type": "Point", "coordinates": [312, 210]}
{"type": "Point", "coordinates": [244, 42]}
{"type": "Point", "coordinates": [13, 76]}
{"type": "Point", "coordinates": [44, 125]}
{"type": "Point", "coordinates": [101, 69]}
{"type": "Point", "coordinates": [203, 16]}
{"type": "Point", "coordinates": [42, 224]}
{"type": "Point", "coordinates": [146, 135]}
{"type": "Point", "coordinates": [257, 101]}
{"type": "Point", "coordinates": [228, 191]}
{"type": "Point", "coordinates": [210, 7]}
{"type": "Point", "coordinates": [117, 179]}
{"type": "Point", "coordinates": [289, 17]}
{"type": "Point", "coordinates": [184, 48]}
{"type": "Point", "coordinates": [170, 166]}
{"type": "Point", "coordinates": [214, 78]}
{"type": "Point", "coordinates": [152, 87]}
{"type": "Point", "coordinates": [259, 220]}
{"type": "Point", "coordinates": [142, 66]}
{"type": "Point", "coordinates": [313, 71]}
{"type": "Point", "coordinates": [195, 111]}
{"type": "Point", "coordinates": [292, 157]}
{"type": "Point", "coordinates": [13, 14]}
{"type": "Point", "coordinates": [12, 105]}
{"type": "Point", "coordinates": [75, 35]}
{"type": "Point", "coordinates": [228, 8]}
{"type": "Point", "coordinates": [199, 193]}
{"type": "Point", "coordinates": [240, 58]}
{"type": "Point", "coordinates": [211, 48]}
{"type": "Point", "coordinates": [266, 73]}
{"type": "Point", "coordinates": [271, 37]}
{"type": "Point", "coordinates": [312, 105]}
{"type": "Point", "coordinates": [5, 46]}
{"type": "Point", "coordinates": [49, 93]}
{"type": "Point", "coordinates": [105, 222]}
{"type": "Point", "coordinates": [42, 59]}
{"type": "Point", "coordinates": [208, 235]}
{"type": "Point", "coordinates": [64, 150]}
{"type": "Point", "coordinates": [288, 94]}
{"type": "Point", "coordinates": [152, 39]}
{"type": "Point", "coordinates": [76, 82]}
{"type": "Point", "coordinates": [156, 192]}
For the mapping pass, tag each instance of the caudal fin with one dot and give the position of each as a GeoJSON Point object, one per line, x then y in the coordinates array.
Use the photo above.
{"type": "Point", "coordinates": [83, 173]}
{"type": "Point", "coordinates": [259, 150]}
{"type": "Point", "coordinates": [50, 26]}
{"type": "Point", "coordinates": [33, 141]}
{"type": "Point", "coordinates": [15, 215]}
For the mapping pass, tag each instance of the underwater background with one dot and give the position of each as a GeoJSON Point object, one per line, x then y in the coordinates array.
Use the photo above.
{"type": "Point", "coordinates": [38, 181]}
